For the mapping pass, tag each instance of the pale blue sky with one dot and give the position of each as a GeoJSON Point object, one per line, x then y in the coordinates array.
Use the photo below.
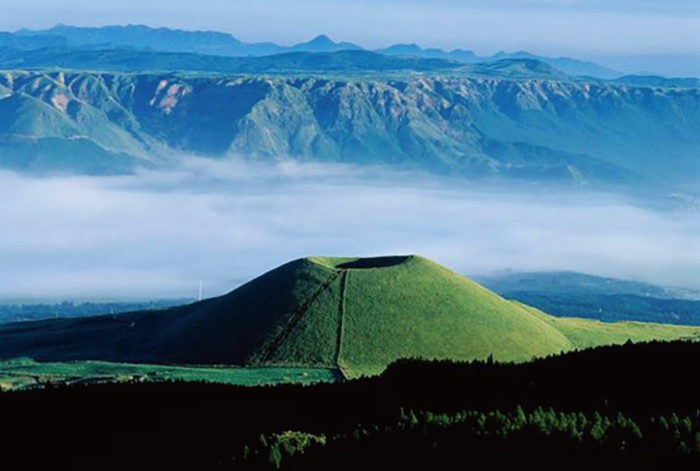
{"type": "Point", "coordinates": [582, 27]}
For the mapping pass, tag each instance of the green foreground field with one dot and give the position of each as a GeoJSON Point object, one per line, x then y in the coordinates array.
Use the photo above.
{"type": "Point", "coordinates": [26, 373]}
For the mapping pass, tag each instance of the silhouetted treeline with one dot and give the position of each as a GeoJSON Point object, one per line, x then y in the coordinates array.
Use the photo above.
{"type": "Point", "coordinates": [484, 438]}
{"type": "Point", "coordinates": [207, 425]}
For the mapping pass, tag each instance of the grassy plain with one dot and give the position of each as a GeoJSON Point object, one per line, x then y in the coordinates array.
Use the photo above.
{"type": "Point", "coordinates": [25, 372]}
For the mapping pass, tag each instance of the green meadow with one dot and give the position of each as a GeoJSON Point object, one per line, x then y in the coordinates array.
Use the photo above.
{"type": "Point", "coordinates": [25, 372]}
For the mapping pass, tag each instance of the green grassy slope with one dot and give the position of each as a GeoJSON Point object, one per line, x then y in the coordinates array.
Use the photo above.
{"type": "Point", "coordinates": [47, 124]}
{"type": "Point", "coordinates": [25, 372]}
{"type": "Point", "coordinates": [586, 333]}
{"type": "Point", "coordinates": [51, 154]}
{"type": "Point", "coordinates": [419, 308]}
{"type": "Point", "coordinates": [358, 315]}
{"type": "Point", "coordinates": [460, 319]}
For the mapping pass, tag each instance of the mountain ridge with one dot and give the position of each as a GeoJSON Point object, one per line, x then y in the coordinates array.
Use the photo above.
{"type": "Point", "coordinates": [131, 60]}
{"type": "Point", "coordinates": [578, 132]}
{"type": "Point", "coordinates": [212, 42]}
{"type": "Point", "coordinates": [572, 294]}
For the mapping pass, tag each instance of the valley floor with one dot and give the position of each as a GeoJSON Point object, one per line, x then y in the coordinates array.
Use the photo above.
{"type": "Point", "coordinates": [26, 373]}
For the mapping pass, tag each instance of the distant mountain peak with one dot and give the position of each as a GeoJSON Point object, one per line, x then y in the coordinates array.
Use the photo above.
{"type": "Point", "coordinates": [321, 39]}
{"type": "Point", "coordinates": [322, 43]}
{"type": "Point", "coordinates": [411, 48]}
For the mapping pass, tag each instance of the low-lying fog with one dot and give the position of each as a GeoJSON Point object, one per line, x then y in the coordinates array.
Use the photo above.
{"type": "Point", "coordinates": [157, 234]}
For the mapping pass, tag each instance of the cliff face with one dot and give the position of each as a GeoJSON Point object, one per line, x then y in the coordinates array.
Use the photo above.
{"type": "Point", "coordinates": [529, 128]}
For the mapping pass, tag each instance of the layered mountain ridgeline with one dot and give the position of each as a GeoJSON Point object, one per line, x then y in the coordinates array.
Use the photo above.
{"type": "Point", "coordinates": [353, 316]}
{"type": "Point", "coordinates": [137, 60]}
{"type": "Point", "coordinates": [166, 39]}
{"type": "Point", "coordinates": [502, 120]}
{"type": "Point", "coordinates": [29, 43]}
{"type": "Point", "coordinates": [571, 294]}
{"type": "Point", "coordinates": [655, 81]}
{"type": "Point", "coordinates": [224, 44]}
{"type": "Point", "coordinates": [565, 64]}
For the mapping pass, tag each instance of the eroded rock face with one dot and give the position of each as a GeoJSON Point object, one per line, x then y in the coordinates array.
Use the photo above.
{"type": "Point", "coordinates": [528, 128]}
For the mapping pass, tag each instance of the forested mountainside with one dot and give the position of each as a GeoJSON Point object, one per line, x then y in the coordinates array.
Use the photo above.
{"type": "Point", "coordinates": [523, 127]}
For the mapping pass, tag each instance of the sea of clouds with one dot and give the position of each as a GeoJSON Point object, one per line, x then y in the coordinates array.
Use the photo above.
{"type": "Point", "coordinates": [158, 234]}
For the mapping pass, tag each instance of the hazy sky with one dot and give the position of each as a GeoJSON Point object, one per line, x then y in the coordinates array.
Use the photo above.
{"type": "Point", "coordinates": [158, 233]}
{"type": "Point", "coordinates": [583, 27]}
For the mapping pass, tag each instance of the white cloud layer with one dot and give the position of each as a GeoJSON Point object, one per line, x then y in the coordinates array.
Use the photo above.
{"type": "Point", "coordinates": [157, 234]}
